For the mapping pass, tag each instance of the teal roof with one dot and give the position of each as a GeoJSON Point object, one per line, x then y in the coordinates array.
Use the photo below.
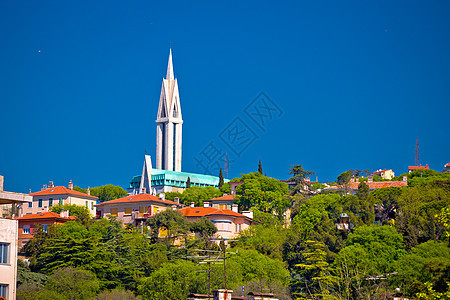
{"type": "Point", "coordinates": [173, 178]}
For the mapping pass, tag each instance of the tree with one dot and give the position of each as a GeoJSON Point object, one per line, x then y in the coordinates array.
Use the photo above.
{"type": "Point", "coordinates": [260, 170]}
{"type": "Point", "coordinates": [172, 222]}
{"type": "Point", "coordinates": [199, 194]}
{"type": "Point", "coordinates": [299, 176]}
{"type": "Point", "coordinates": [344, 178]}
{"type": "Point", "coordinates": [363, 191]}
{"type": "Point", "coordinates": [221, 182]}
{"type": "Point", "coordinates": [188, 183]}
{"type": "Point", "coordinates": [73, 283]}
{"type": "Point", "coordinates": [82, 213]}
{"type": "Point", "coordinates": [116, 295]}
{"type": "Point", "coordinates": [204, 228]}
{"type": "Point", "coordinates": [263, 193]}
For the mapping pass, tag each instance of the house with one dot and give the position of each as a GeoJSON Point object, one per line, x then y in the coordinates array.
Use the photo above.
{"type": "Point", "coordinates": [136, 208]}
{"type": "Point", "coordinates": [228, 222]}
{"type": "Point", "coordinates": [262, 296]}
{"type": "Point", "coordinates": [446, 168]}
{"type": "Point", "coordinates": [8, 242]}
{"type": "Point", "coordinates": [223, 202]}
{"type": "Point", "coordinates": [29, 224]}
{"type": "Point", "coordinates": [385, 174]}
{"type": "Point", "coordinates": [354, 182]}
{"type": "Point", "coordinates": [419, 167]}
{"type": "Point", "coordinates": [52, 195]}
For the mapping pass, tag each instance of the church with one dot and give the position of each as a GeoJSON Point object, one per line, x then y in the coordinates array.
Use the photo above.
{"type": "Point", "coordinates": [167, 175]}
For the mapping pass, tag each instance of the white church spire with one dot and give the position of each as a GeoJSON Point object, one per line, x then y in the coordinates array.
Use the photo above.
{"type": "Point", "coordinates": [169, 123]}
{"type": "Point", "coordinates": [170, 75]}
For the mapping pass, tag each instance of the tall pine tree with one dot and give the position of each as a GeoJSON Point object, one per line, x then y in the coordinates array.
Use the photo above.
{"type": "Point", "coordinates": [260, 167]}
{"type": "Point", "coordinates": [221, 182]}
{"type": "Point", "coordinates": [188, 182]}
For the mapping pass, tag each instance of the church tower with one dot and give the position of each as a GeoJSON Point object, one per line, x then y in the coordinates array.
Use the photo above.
{"type": "Point", "coordinates": [169, 124]}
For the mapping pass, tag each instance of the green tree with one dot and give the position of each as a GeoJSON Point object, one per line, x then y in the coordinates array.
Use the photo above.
{"type": "Point", "coordinates": [172, 222]}
{"type": "Point", "coordinates": [260, 170]}
{"type": "Point", "coordinates": [221, 182]}
{"type": "Point", "coordinates": [299, 175]}
{"type": "Point", "coordinates": [188, 183]}
{"type": "Point", "coordinates": [173, 281]}
{"type": "Point", "coordinates": [198, 195]}
{"type": "Point", "coordinates": [117, 294]}
{"type": "Point", "coordinates": [204, 228]}
{"type": "Point", "coordinates": [344, 178]}
{"type": "Point", "coordinates": [82, 212]}
{"type": "Point", "coordinates": [363, 191]}
{"type": "Point", "coordinates": [73, 284]}
{"type": "Point", "coordinates": [108, 192]}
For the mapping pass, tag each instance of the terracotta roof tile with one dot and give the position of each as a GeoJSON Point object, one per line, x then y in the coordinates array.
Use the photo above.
{"type": "Point", "coordinates": [226, 197]}
{"type": "Point", "coordinates": [419, 167]}
{"type": "Point", "coordinates": [60, 190]}
{"type": "Point", "coordinates": [372, 185]}
{"type": "Point", "coordinates": [45, 215]}
{"type": "Point", "coordinates": [208, 211]}
{"type": "Point", "coordinates": [139, 198]}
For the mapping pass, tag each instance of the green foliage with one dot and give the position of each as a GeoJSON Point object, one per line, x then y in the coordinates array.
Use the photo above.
{"type": "Point", "coordinates": [226, 188]}
{"type": "Point", "coordinates": [172, 221]}
{"type": "Point", "coordinates": [299, 175]}
{"type": "Point", "coordinates": [116, 295]}
{"type": "Point", "coordinates": [344, 178]}
{"type": "Point", "coordinates": [260, 169]}
{"type": "Point", "coordinates": [188, 183]}
{"type": "Point", "coordinates": [26, 277]}
{"type": "Point", "coordinates": [171, 195]}
{"type": "Point", "coordinates": [173, 281]}
{"type": "Point", "coordinates": [363, 191]}
{"type": "Point", "coordinates": [221, 182]}
{"type": "Point", "coordinates": [198, 195]}
{"type": "Point", "coordinates": [73, 284]}
{"type": "Point", "coordinates": [263, 193]}
{"type": "Point", "coordinates": [204, 228]}
{"type": "Point", "coordinates": [108, 192]}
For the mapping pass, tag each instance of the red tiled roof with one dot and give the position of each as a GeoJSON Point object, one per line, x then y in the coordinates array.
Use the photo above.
{"type": "Point", "coordinates": [372, 185]}
{"type": "Point", "coordinates": [208, 211]}
{"type": "Point", "coordinates": [138, 198]}
{"type": "Point", "coordinates": [418, 167]}
{"type": "Point", "coordinates": [45, 215]}
{"type": "Point", "coordinates": [60, 190]}
{"type": "Point", "coordinates": [447, 165]}
{"type": "Point", "coordinates": [226, 197]}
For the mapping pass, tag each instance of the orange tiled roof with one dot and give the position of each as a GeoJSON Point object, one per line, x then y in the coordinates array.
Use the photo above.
{"type": "Point", "coordinates": [60, 190]}
{"type": "Point", "coordinates": [447, 165]}
{"type": "Point", "coordinates": [418, 167]}
{"type": "Point", "coordinates": [208, 211]}
{"type": "Point", "coordinates": [372, 185]}
{"type": "Point", "coordinates": [226, 197]}
{"type": "Point", "coordinates": [138, 198]}
{"type": "Point", "coordinates": [46, 215]}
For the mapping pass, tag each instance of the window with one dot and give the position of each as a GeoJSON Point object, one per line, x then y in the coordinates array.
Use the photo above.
{"type": "Point", "coordinates": [92, 205]}
{"type": "Point", "coordinates": [50, 202]}
{"type": "Point", "coordinates": [39, 202]}
{"type": "Point", "coordinates": [155, 209]}
{"type": "Point", "coordinates": [4, 249]}
{"type": "Point", "coordinates": [30, 204]}
{"type": "Point", "coordinates": [114, 212]}
{"type": "Point", "coordinates": [61, 201]}
{"type": "Point", "coordinates": [128, 210]}
{"type": "Point", "coordinates": [45, 228]}
{"type": "Point", "coordinates": [4, 291]}
{"type": "Point", "coordinates": [87, 206]}
{"type": "Point", "coordinates": [26, 229]}
{"type": "Point", "coordinates": [143, 210]}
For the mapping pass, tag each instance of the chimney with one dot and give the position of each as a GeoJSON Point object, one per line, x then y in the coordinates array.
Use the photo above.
{"type": "Point", "coordinates": [370, 179]}
{"type": "Point", "coordinates": [352, 179]}
{"type": "Point", "coordinates": [222, 294]}
{"type": "Point", "coordinates": [357, 179]}
{"type": "Point", "coordinates": [88, 191]}
{"type": "Point", "coordinates": [235, 208]}
{"type": "Point", "coordinates": [51, 185]}
{"type": "Point", "coordinates": [405, 178]}
{"type": "Point", "coordinates": [192, 204]}
{"type": "Point", "coordinates": [162, 196]}
{"type": "Point", "coordinates": [1, 183]}
{"type": "Point", "coordinates": [176, 199]}
{"type": "Point", "coordinates": [206, 204]}
{"type": "Point", "coordinates": [248, 213]}
{"type": "Point", "coordinates": [225, 194]}
{"type": "Point", "coordinates": [44, 187]}
{"type": "Point", "coordinates": [70, 185]}
{"type": "Point", "coordinates": [64, 213]}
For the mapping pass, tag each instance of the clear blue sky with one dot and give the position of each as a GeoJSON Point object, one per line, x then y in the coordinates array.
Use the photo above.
{"type": "Point", "coordinates": [355, 81]}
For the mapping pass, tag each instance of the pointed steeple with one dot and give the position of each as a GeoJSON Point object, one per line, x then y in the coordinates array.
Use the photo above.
{"type": "Point", "coordinates": [170, 75]}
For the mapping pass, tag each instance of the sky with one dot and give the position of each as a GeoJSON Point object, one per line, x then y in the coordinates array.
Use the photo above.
{"type": "Point", "coordinates": [331, 85]}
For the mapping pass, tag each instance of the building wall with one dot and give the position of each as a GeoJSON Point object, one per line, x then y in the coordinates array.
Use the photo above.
{"type": "Point", "coordinates": [66, 199]}
{"type": "Point", "coordinates": [8, 271]}
{"type": "Point", "coordinates": [388, 174]}
{"type": "Point", "coordinates": [228, 227]}
{"type": "Point", "coordinates": [33, 225]}
{"type": "Point", "coordinates": [127, 212]}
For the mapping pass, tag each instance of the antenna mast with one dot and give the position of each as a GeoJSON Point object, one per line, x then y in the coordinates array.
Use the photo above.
{"type": "Point", "coordinates": [417, 151]}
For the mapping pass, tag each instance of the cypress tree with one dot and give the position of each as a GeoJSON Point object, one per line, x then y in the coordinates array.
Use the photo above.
{"type": "Point", "coordinates": [260, 167]}
{"type": "Point", "coordinates": [188, 182]}
{"type": "Point", "coordinates": [221, 182]}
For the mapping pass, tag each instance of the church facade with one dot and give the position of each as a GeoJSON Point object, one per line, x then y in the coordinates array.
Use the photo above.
{"type": "Point", "coordinates": [167, 175]}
